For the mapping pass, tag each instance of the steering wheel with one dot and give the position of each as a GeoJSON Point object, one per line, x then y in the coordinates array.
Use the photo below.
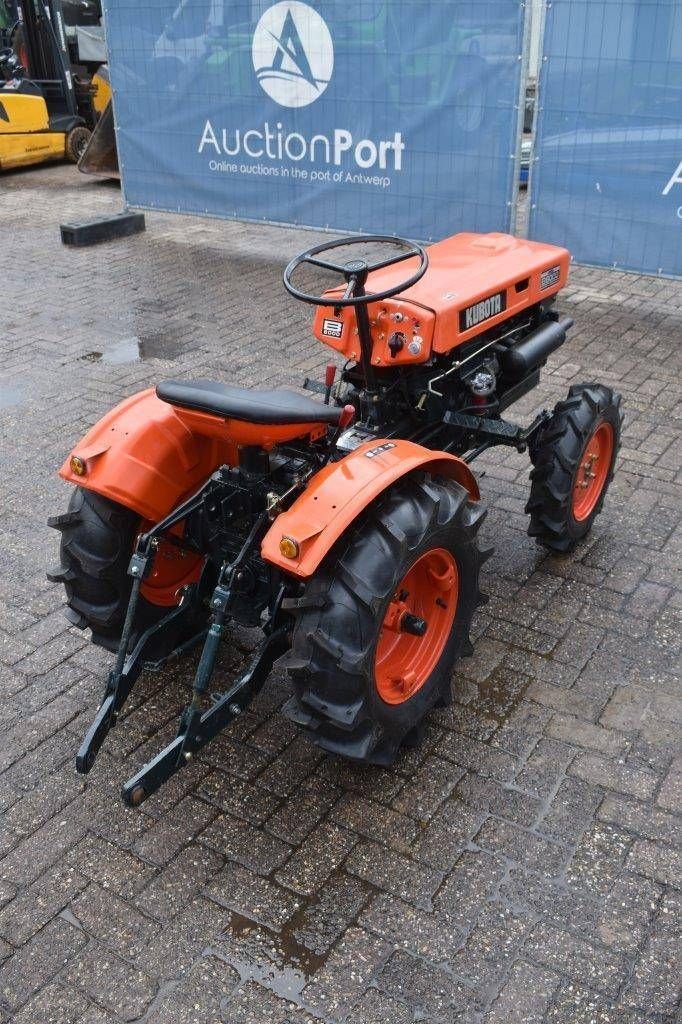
{"type": "Point", "coordinates": [355, 271]}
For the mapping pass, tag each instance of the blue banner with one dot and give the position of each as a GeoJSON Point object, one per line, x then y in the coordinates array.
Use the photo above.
{"type": "Point", "coordinates": [607, 181]}
{"type": "Point", "coordinates": [367, 115]}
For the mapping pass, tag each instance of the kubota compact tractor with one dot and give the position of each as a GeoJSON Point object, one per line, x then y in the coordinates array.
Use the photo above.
{"type": "Point", "coordinates": [346, 528]}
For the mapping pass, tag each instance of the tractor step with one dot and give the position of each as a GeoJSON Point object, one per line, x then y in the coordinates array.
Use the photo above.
{"type": "Point", "coordinates": [490, 431]}
{"type": "Point", "coordinates": [501, 430]}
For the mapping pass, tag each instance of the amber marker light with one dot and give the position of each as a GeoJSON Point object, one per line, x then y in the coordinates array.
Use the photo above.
{"type": "Point", "coordinates": [289, 547]}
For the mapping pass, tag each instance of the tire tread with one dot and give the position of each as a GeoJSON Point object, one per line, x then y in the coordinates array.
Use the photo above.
{"type": "Point", "coordinates": [555, 454]}
{"type": "Point", "coordinates": [95, 549]}
{"type": "Point", "coordinates": [330, 677]}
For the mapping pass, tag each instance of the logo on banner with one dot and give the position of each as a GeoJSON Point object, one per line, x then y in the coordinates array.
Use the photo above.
{"type": "Point", "coordinates": [293, 54]}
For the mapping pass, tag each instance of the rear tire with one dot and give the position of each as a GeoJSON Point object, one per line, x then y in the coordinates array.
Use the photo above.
{"type": "Point", "coordinates": [342, 615]}
{"type": "Point", "coordinates": [568, 481]}
{"type": "Point", "coordinates": [96, 545]}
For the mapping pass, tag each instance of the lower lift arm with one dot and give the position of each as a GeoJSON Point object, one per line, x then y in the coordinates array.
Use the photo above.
{"type": "Point", "coordinates": [196, 727]}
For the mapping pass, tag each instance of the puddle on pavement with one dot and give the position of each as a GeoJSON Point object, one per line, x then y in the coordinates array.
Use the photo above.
{"type": "Point", "coordinates": [274, 959]}
{"type": "Point", "coordinates": [498, 696]}
{"type": "Point", "coordinates": [125, 351]}
{"type": "Point", "coordinates": [152, 345]}
{"type": "Point", "coordinates": [166, 344]}
{"type": "Point", "coordinates": [10, 396]}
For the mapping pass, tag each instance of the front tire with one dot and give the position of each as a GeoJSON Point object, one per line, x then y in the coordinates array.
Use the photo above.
{"type": "Point", "coordinates": [573, 461]}
{"type": "Point", "coordinates": [76, 143]}
{"type": "Point", "coordinates": [362, 681]}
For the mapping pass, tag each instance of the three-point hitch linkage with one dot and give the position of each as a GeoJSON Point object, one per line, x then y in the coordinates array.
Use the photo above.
{"type": "Point", "coordinates": [196, 727]}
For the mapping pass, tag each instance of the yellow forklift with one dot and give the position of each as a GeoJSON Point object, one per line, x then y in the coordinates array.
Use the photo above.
{"type": "Point", "coordinates": [46, 111]}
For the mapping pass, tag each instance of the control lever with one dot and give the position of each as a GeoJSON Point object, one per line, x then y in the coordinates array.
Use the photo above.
{"type": "Point", "coordinates": [329, 375]}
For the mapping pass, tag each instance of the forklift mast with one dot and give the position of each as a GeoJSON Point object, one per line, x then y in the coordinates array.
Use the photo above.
{"type": "Point", "coordinates": [48, 53]}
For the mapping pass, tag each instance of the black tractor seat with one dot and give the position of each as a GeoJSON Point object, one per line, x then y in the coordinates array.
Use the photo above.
{"type": "Point", "coordinates": [246, 404]}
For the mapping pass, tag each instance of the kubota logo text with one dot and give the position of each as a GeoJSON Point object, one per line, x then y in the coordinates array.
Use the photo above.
{"type": "Point", "coordinates": [293, 54]}
{"type": "Point", "coordinates": [480, 311]}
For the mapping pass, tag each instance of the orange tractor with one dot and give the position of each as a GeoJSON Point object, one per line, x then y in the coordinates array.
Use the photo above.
{"type": "Point", "coordinates": [346, 527]}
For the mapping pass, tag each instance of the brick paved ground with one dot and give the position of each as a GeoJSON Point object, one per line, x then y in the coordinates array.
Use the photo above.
{"type": "Point", "coordinates": [521, 866]}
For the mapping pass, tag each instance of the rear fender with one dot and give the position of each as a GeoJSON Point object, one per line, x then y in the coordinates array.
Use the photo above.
{"type": "Point", "coordinates": [337, 494]}
{"type": "Point", "coordinates": [142, 455]}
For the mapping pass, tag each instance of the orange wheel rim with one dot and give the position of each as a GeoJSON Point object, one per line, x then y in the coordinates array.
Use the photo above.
{"type": "Point", "coordinates": [592, 472]}
{"type": "Point", "coordinates": [416, 626]}
{"type": "Point", "coordinates": [172, 569]}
